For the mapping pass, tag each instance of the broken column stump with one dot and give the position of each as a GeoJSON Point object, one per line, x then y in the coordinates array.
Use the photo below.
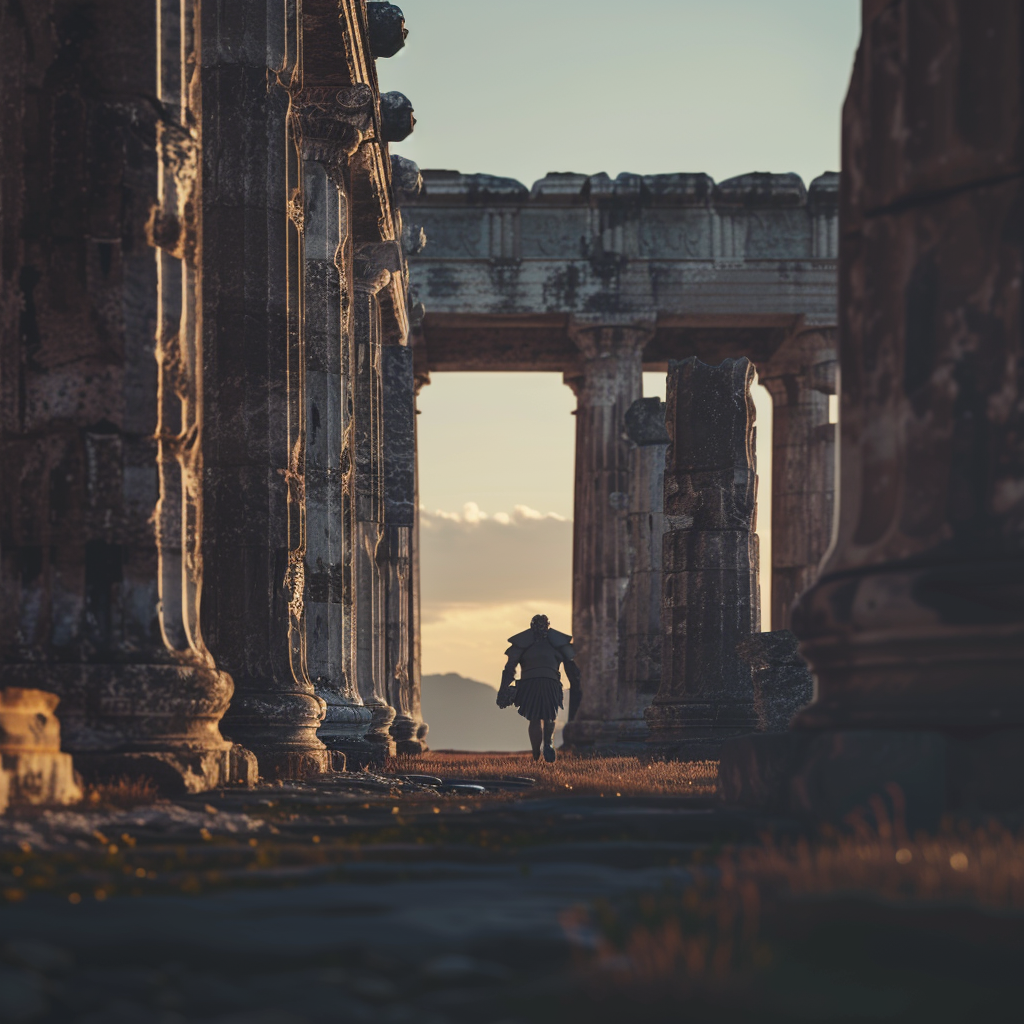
{"type": "Point", "coordinates": [37, 772]}
{"type": "Point", "coordinates": [710, 583]}
{"type": "Point", "coordinates": [782, 682]}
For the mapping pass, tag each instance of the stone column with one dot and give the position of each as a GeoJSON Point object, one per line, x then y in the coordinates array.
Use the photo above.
{"type": "Point", "coordinates": [399, 528]}
{"type": "Point", "coordinates": [415, 656]}
{"type": "Point", "coordinates": [101, 496]}
{"type": "Point", "coordinates": [328, 122]}
{"type": "Point", "coordinates": [608, 382]}
{"type": "Point", "coordinates": [917, 620]}
{"type": "Point", "coordinates": [364, 487]}
{"type": "Point", "coordinates": [710, 560]}
{"type": "Point", "coordinates": [800, 377]}
{"type": "Point", "coordinates": [253, 398]}
{"type": "Point", "coordinates": [640, 664]}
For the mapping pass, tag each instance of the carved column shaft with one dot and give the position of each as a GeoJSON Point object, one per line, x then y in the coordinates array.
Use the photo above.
{"type": "Point", "coordinates": [645, 526]}
{"type": "Point", "coordinates": [918, 617]}
{"type": "Point", "coordinates": [400, 527]}
{"type": "Point", "coordinates": [96, 605]}
{"type": "Point", "coordinates": [800, 377]}
{"type": "Point", "coordinates": [365, 492]}
{"type": "Point", "coordinates": [710, 559]}
{"type": "Point", "coordinates": [253, 398]}
{"type": "Point", "coordinates": [609, 382]}
{"type": "Point", "coordinates": [328, 123]}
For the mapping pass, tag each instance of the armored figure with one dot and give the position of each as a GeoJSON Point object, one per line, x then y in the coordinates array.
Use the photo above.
{"type": "Point", "coordinates": [539, 651]}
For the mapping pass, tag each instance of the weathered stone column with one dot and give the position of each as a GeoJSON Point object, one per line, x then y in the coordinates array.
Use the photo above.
{"type": "Point", "coordinates": [101, 506]}
{"type": "Point", "coordinates": [253, 392]}
{"type": "Point", "coordinates": [800, 377]}
{"type": "Point", "coordinates": [399, 527]}
{"type": "Point", "coordinates": [640, 664]}
{"type": "Point", "coordinates": [917, 621]}
{"type": "Point", "coordinates": [374, 265]}
{"type": "Point", "coordinates": [609, 381]}
{"type": "Point", "coordinates": [710, 560]}
{"type": "Point", "coordinates": [329, 121]}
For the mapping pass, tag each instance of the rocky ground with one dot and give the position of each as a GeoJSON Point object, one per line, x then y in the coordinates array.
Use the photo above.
{"type": "Point", "coordinates": [594, 891]}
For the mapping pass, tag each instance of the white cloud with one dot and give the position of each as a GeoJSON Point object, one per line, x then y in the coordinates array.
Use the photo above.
{"type": "Point", "coordinates": [474, 557]}
{"type": "Point", "coordinates": [471, 638]}
{"type": "Point", "coordinates": [484, 576]}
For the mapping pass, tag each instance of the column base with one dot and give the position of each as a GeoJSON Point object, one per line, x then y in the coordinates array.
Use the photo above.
{"type": "Point", "coordinates": [129, 721]}
{"type": "Point", "coordinates": [622, 737]}
{"type": "Point", "coordinates": [696, 731]}
{"type": "Point", "coordinates": [831, 774]}
{"type": "Point", "coordinates": [931, 647]}
{"type": "Point", "coordinates": [379, 734]}
{"type": "Point", "coordinates": [280, 728]}
{"type": "Point", "coordinates": [175, 772]}
{"type": "Point", "coordinates": [344, 733]}
{"type": "Point", "coordinates": [409, 736]}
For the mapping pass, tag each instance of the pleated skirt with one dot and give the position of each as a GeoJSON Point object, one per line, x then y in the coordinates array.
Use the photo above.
{"type": "Point", "coordinates": [538, 698]}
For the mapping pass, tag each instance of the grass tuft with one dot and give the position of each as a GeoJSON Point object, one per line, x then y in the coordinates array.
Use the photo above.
{"type": "Point", "coordinates": [573, 774]}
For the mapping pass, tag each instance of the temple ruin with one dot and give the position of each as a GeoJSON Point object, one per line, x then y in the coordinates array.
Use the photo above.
{"type": "Point", "coordinates": [600, 280]}
{"type": "Point", "coordinates": [221, 294]}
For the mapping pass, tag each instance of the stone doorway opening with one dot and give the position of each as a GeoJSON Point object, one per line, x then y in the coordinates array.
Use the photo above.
{"type": "Point", "coordinates": [496, 456]}
{"type": "Point", "coordinates": [496, 473]}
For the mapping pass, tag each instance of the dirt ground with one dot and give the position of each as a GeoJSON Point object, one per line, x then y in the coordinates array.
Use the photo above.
{"type": "Point", "coordinates": [487, 888]}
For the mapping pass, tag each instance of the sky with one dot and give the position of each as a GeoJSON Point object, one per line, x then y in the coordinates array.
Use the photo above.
{"type": "Point", "coordinates": [519, 88]}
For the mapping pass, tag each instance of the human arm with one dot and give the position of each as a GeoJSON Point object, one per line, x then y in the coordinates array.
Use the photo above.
{"type": "Point", "coordinates": [572, 673]}
{"type": "Point", "coordinates": [508, 673]}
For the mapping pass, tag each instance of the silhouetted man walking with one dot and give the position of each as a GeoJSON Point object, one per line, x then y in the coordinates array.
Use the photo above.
{"type": "Point", "coordinates": [539, 651]}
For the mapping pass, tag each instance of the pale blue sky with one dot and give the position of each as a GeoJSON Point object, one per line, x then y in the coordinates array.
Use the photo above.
{"type": "Point", "coordinates": [523, 87]}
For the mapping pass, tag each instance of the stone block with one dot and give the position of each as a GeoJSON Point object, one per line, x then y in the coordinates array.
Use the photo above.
{"type": "Point", "coordinates": [783, 683]}
{"type": "Point", "coordinates": [842, 770]}
{"type": "Point", "coordinates": [985, 772]}
{"type": "Point", "coordinates": [755, 770]}
{"type": "Point", "coordinates": [35, 771]}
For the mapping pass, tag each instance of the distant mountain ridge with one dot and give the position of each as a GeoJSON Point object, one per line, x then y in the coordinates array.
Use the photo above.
{"type": "Point", "coordinates": [462, 715]}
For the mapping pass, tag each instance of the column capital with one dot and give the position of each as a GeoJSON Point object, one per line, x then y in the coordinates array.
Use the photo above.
{"type": "Point", "coordinates": [330, 122]}
{"type": "Point", "coordinates": [601, 338]}
{"type": "Point", "coordinates": [801, 354]}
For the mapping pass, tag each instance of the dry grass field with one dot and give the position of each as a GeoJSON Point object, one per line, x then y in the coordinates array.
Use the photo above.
{"type": "Point", "coordinates": [580, 776]}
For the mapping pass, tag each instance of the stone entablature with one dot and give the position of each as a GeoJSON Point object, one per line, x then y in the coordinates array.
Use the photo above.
{"type": "Point", "coordinates": [755, 252]}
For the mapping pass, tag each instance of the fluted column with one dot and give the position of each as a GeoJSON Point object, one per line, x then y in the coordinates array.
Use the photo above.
{"type": "Point", "coordinates": [255, 367]}
{"type": "Point", "coordinates": [608, 382]}
{"type": "Point", "coordinates": [102, 516]}
{"type": "Point", "coordinates": [400, 526]}
{"type": "Point", "coordinates": [800, 377]}
{"type": "Point", "coordinates": [710, 560]}
{"type": "Point", "coordinates": [917, 620]}
{"type": "Point", "coordinates": [640, 667]}
{"type": "Point", "coordinates": [364, 487]}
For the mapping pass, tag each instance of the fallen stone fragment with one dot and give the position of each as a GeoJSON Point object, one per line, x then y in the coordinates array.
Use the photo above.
{"type": "Point", "coordinates": [38, 773]}
{"type": "Point", "coordinates": [783, 683]}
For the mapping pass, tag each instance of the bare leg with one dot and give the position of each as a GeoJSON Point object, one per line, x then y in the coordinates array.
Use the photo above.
{"type": "Point", "coordinates": [549, 731]}
{"type": "Point", "coordinates": [535, 734]}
